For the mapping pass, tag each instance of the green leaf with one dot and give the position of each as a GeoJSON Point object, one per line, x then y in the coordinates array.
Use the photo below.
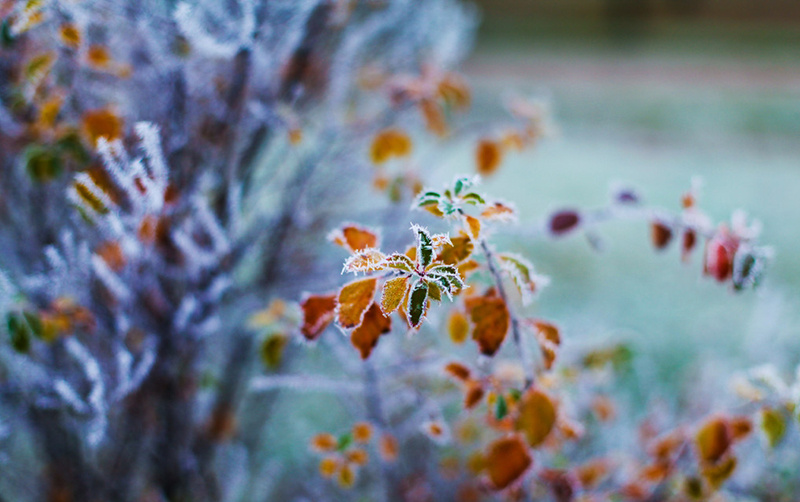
{"type": "Point", "coordinates": [774, 426]}
{"type": "Point", "coordinates": [462, 184]}
{"type": "Point", "coordinates": [6, 37]}
{"type": "Point", "coordinates": [417, 303]}
{"type": "Point", "coordinates": [345, 440]}
{"type": "Point", "coordinates": [474, 199]}
{"type": "Point", "coordinates": [34, 322]}
{"type": "Point", "coordinates": [502, 407]}
{"type": "Point", "coordinates": [42, 164]}
{"type": "Point", "coordinates": [424, 246]}
{"type": "Point", "coordinates": [19, 332]}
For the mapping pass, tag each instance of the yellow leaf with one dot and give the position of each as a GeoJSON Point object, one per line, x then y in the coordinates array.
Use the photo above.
{"type": "Point", "coordinates": [354, 299]}
{"type": "Point", "coordinates": [459, 249]}
{"type": "Point", "coordinates": [713, 440]}
{"type": "Point", "coordinates": [458, 327]}
{"type": "Point", "coordinates": [70, 35]}
{"type": "Point", "coordinates": [537, 416]}
{"type": "Point", "coordinates": [716, 474]}
{"type": "Point", "coordinates": [774, 425]}
{"type": "Point", "coordinates": [389, 143]}
{"type": "Point", "coordinates": [366, 336]}
{"type": "Point", "coordinates": [394, 290]}
{"type": "Point", "coordinates": [506, 461]}
{"type": "Point", "coordinates": [272, 349]}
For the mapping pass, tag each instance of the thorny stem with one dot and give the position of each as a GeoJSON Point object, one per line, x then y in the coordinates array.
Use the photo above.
{"type": "Point", "coordinates": [530, 377]}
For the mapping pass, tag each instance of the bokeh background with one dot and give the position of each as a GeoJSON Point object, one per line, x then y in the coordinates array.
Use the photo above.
{"type": "Point", "coordinates": [652, 93]}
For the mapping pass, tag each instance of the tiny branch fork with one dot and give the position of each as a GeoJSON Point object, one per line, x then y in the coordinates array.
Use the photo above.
{"type": "Point", "coordinates": [515, 329]}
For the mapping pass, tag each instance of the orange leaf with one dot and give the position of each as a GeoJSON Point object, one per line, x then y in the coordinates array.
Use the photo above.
{"type": "Point", "coordinates": [394, 290]}
{"type": "Point", "coordinates": [323, 442]}
{"type": "Point", "coordinates": [98, 56]}
{"type": "Point", "coordinates": [354, 238]}
{"type": "Point", "coordinates": [354, 299]}
{"type": "Point", "coordinates": [490, 317]}
{"type": "Point", "coordinates": [506, 461]}
{"type": "Point", "coordinates": [457, 371]}
{"type": "Point", "coordinates": [592, 472]}
{"type": "Point", "coordinates": [499, 212]}
{"type": "Point", "coordinates": [318, 312]}
{"type": "Point", "coordinates": [488, 156]}
{"type": "Point", "coordinates": [362, 432]}
{"type": "Point", "coordinates": [111, 252]}
{"type": "Point", "coordinates": [375, 324]}
{"type": "Point", "coordinates": [473, 394]}
{"type": "Point", "coordinates": [101, 123]}
{"type": "Point", "coordinates": [537, 416]}
{"type": "Point", "coordinates": [474, 225]}
{"type": "Point", "coordinates": [388, 448]}
{"type": "Point", "coordinates": [434, 117]}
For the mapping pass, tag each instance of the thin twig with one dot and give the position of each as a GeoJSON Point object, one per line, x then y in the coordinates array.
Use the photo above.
{"type": "Point", "coordinates": [530, 377]}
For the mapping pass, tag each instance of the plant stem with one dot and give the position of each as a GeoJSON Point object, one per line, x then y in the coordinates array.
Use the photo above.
{"type": "Point", "coordinates": [530, 377]}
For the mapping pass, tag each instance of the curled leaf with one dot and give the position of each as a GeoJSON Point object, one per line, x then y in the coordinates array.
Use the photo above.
{"type": "Point", "coordinates": [499, 212]}
{"type": "Point", "coordinates": [365, 337]}
{"type": "Point", "coordinates": [365, 260]}
{"type": "Point", "coordinates": [353, 301]}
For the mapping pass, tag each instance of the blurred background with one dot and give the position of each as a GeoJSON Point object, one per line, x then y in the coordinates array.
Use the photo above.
{"type": "Point", "coordinates": [651, 93]}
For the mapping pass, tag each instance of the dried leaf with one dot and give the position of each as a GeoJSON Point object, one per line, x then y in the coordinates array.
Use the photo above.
{"type": "Point", "coordinates": [459, 249]}
{"type": "Point", "coordinates": [488, 156]}
{"type": "Point", "coordinates": [506, 461]}
{"type": "Point", "coordinates": [354, 238]}
{"type": "Point", "coordinates": [272, 348]}
{"type": "Point", "coordinates": [537, 416]}
{"type": "Point", "coordinates": [394, 290]}
{"type": "Point", "coordinates": [434, 117]}
{"type": "Point", "coordinates": [473, 394]}
{"type": "Point", "coordinates": [716, 474]}
{"type": "Point", "coordinates": [366, 336]}
{"type": "Point", "coordinates": [499, 212]}
{"type": "Point", "coordinates": [474, 226]}
{"type": "Point", "coordinates": [458, 327]}
{"type": "Point", "coordinates": [102, 123]}
{"type": "Point", "coordinates": [457, 371]}
{"type": "Point", "coordinates": [660, 234]}
{"type": "Point", "coordinates": [388, 448]}
{"type": "Point", "coordinates": [417, 303]}
{"type": "Point", "coordinates": [365, 260]}
{"type": "Point", "coordinates": [713, 440]}
{"type": "Point", "coordinates": [353, 302]}
{"type": "Point", "coordinates": [389, 143]}
{"type": "Point", "coordinates": [490, 318]}
{"type": "Point", "coordinates": [318, 313]}
{"type": "Point", "coordinates": [564, 221]}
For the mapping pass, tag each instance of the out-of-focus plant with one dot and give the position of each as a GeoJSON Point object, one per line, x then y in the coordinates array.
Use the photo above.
{"type": "Point", "coordinates": [168, 169]}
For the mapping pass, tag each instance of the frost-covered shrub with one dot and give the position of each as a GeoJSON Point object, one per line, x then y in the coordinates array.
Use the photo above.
{"type": "Point", "coordinates": [170, 172]}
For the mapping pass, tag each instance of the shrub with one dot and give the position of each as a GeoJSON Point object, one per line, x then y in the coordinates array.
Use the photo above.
{"type": "Point", "coordinates": [170, 171]}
